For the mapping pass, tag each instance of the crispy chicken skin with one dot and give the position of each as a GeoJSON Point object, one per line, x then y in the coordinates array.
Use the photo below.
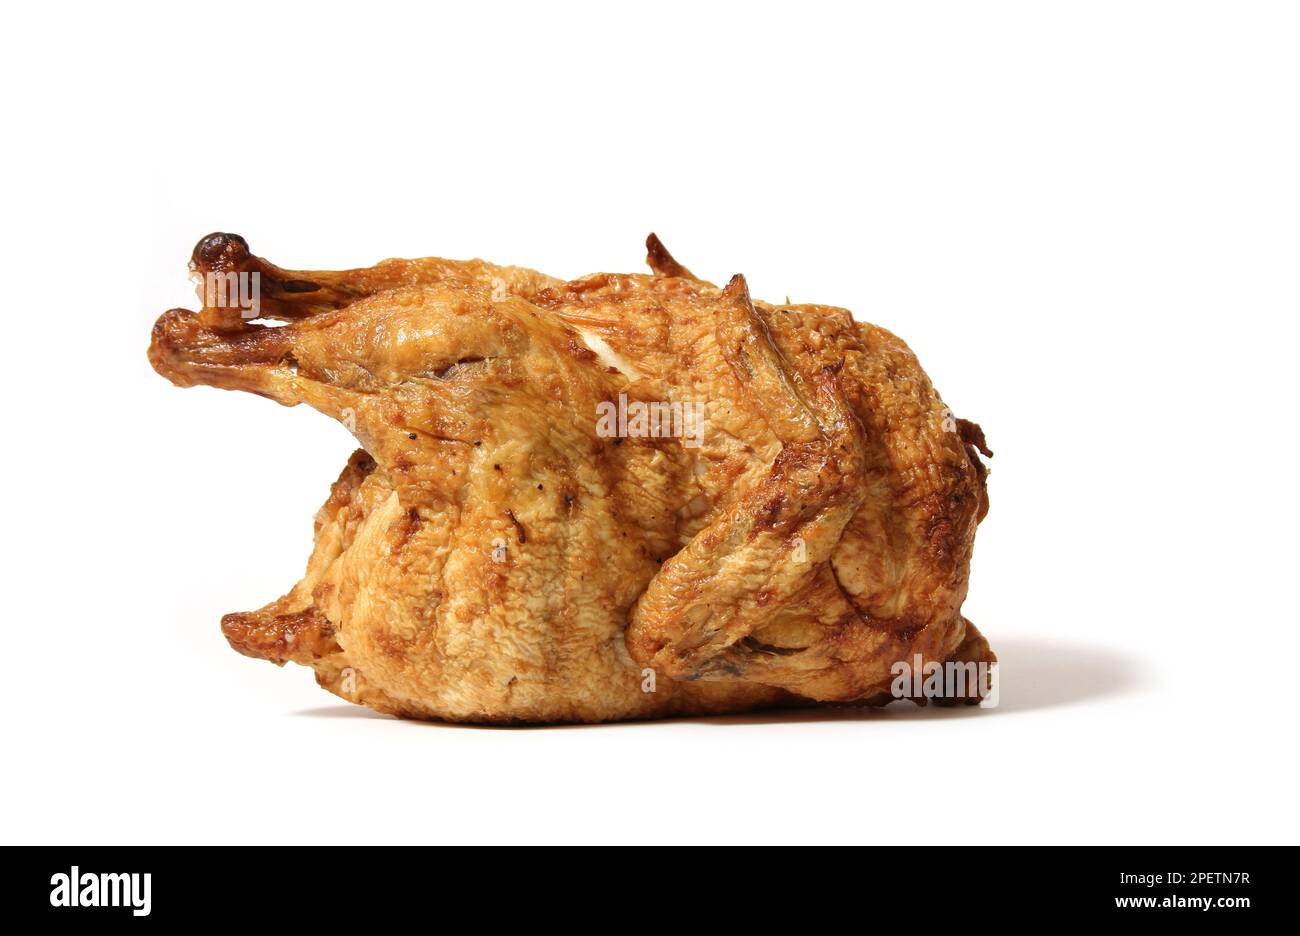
{"type": "Point", "coordinates": [491, 555]}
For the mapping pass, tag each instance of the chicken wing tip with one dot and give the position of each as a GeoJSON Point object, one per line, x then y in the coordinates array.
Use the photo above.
{"type": "Point", "coordinates": [662, 262]}
{"type": "Point", "coordinates": [737, 288]}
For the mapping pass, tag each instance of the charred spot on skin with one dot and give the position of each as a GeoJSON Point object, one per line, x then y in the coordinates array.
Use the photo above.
{"type": "Point", "coordinates": [908, 632]}
{"type": "Point", "coordinates": [411, 435]}
{"type": "Point", "coordinates": [519, 527]}
{"type": "Point", "coordinates": [299, 286]}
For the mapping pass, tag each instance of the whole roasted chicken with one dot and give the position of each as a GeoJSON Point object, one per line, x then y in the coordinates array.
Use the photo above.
{"type": "Point", "coordinates": [623, 496]}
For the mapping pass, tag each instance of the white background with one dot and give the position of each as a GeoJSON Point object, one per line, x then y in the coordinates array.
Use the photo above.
{"type": "Point", "coordinates": [1084, 218]}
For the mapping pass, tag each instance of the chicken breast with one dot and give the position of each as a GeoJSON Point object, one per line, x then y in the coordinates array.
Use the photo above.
{"type": "Point", "coordinates": [623, 496]}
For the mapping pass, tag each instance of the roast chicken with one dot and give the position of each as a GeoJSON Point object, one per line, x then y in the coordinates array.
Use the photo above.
{"type": "Point", "coordinates": [621, 496]}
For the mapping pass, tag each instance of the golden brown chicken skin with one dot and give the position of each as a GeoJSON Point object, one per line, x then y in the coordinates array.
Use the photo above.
{"type": "Point", "coordinates": [516, 542]}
